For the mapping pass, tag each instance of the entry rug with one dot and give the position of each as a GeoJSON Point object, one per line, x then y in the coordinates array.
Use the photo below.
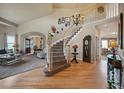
{"type": "Point", "coordinates": [27, 63]}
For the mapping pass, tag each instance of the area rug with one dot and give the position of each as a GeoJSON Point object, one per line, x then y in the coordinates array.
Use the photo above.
{"type": "Point", "coordinates": [29, 62]}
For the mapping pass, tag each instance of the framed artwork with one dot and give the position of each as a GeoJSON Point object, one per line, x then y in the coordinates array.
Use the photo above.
{"type": "Point", "coordinates": [59, 21]}
{"type": "Point", "coordinates": [67, 19]}
{"type": "Point", "coordinates": [64, 20]}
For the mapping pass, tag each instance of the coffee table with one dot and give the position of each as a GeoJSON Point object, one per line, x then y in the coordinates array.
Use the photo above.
{"type": "Point", "coordinates": [7, 59]}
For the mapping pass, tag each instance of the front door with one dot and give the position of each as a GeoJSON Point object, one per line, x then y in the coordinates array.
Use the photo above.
{"type": "Point", "coordinates": [27, 46]}
{"type": "Point", "coordinates": [87, 49]}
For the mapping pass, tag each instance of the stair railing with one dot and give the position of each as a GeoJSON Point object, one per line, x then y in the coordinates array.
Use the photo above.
{"type": "Point", "coordinates": [51, 40]}
{"type": "Point", "coordinates": [66, 36]}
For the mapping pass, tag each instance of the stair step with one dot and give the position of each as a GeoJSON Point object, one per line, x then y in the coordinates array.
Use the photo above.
{"type": "Point", "coordinates": [56, 66]}
{"type": "Point", "coordinates": [59, 63]}
{"type": "Point", "coordinates": [60, 60]}
{"type": "Point", "coordinates": [57, 47]}
{"type": "Point", "coordinates": [57, 59]}
{"type": "Point", "coordinates": [58, 50]}
{"type": "Point", "coordinates": [58, 54]}
{"type": "Point", "coordinates": [59, 44]}
{"type": "Point", "coordinates": [55, 55]}
{"type": "Point", "coordinates": [62, 56]}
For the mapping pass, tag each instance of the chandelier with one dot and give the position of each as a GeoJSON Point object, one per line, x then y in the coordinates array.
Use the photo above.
{"type": "Point", "coordinates": [76, 18]}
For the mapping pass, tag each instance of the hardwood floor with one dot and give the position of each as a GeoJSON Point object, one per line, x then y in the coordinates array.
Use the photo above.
{"type": "Point", "coordinates": [81, 75]}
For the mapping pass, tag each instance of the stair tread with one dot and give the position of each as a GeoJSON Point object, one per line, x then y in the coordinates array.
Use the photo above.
{"type": "Point", "coordinates": [57, 49]}
{"type": "Point", "coordinates": [60, 61]}
{"type": "Point", "coordinates": [61, 56]}
{"type": "Point", "coordinates": [57, 46]}
{"type": "Point", "coordinates": [60, 66]}
{"type": "Point", "coordinates": [56, 52]}
{"type": "Point", "coordinates": [58, 56]}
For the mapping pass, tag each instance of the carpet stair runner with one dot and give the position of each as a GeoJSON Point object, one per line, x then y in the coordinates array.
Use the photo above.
{"type": "Point", "coordinates": [58, 58]}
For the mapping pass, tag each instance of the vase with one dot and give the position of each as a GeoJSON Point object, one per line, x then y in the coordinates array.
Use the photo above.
{"type": "Point", "coordinates": [75, 50]}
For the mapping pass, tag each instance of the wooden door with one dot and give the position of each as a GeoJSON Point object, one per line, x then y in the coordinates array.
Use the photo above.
{"type": "Point", "coordinates": [87, 49]}
{"type": "Point", "coordinates": [27, 45]}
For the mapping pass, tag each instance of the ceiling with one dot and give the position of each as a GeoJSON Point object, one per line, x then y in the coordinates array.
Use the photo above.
{"type": "Point", "coordinates": [83, 8]}
{"type": "Point", "coordinates": [19, 13]}
{"type": "Point", "coordinates": [22, 12]}
{"type": "Point", "coordinates": [70, 5]}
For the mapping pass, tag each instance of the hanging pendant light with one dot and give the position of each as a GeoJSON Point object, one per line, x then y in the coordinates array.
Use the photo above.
{"type": "Point", "coordinates": [76, 17]}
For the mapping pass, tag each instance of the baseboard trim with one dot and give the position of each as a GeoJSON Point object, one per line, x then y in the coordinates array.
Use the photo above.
{"type": "Point", "coordinates": [79, 59]}
{"type": "Point", "coordinates": [82, 60]}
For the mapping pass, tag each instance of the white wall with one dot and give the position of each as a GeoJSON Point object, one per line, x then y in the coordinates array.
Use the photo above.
{"type": "Point", "coordinates": [86, 30]}
{"type": "Point", "coordinates": [44, 24]}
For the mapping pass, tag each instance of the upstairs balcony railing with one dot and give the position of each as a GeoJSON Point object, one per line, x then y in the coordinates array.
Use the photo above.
{"type": "Point", "coordinates": [103, 12]}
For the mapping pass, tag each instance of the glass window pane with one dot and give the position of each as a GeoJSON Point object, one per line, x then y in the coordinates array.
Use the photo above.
{"type": "Point", "coordinates": [104, 44]}
{"type": "Point", "coordinates": [10, 46]}
{"type": "Point", "coordinates": [10, 39]}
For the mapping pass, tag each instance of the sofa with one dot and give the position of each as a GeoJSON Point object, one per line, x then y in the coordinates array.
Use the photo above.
{"type": "Point", "coordinates": [3, 51]}
{"type": "Point", "coordinates": [8, 58]}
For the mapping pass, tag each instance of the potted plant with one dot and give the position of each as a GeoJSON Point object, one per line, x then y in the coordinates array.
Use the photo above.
{"type": "Point", "coordinates": [75, 47]}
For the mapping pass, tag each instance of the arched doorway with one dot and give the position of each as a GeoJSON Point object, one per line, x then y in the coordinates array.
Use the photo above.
{"type": "Point", "coordinates": [26, 44]}
{"type": "Point", "coordinates": [87, 48]}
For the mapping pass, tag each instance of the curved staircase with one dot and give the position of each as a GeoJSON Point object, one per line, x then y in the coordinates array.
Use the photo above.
{"type": "Point", "coordinates": [59, 61]}
{"type": "Point", "coordinates": [57, 58]}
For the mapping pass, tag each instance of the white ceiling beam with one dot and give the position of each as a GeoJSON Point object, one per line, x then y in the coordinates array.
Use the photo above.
{"type": "Point", "coordinates": [7, 22]}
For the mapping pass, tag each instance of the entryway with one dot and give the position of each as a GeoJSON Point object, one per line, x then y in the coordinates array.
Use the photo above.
{"type": "Point", "coordinates": [107, 35]}
{"type": "Point", "coordinates": [32, 41]}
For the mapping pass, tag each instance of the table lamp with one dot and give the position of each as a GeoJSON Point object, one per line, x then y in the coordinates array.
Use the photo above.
{"type": "Point", "coordinates": [113, 45]}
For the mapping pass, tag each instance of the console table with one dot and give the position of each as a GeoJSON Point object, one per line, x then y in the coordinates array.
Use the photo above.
{"type": "Point", "coordinates": [74, 58]}
{"type": "Point", "coordinates": [114, 71]}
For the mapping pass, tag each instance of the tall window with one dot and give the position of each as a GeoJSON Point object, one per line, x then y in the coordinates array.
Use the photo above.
{"type": "Point", "coordinates": [10, 42]}
{"type": "Point", "coordinates": [104, 43]}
